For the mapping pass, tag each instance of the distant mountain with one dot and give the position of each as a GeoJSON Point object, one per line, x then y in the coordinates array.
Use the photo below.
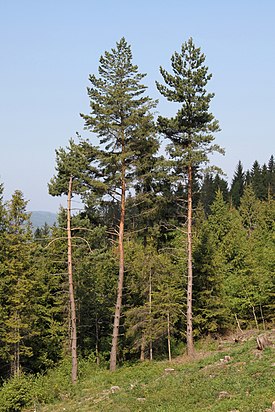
{"type": "Point", "coordinates": [39, 218]}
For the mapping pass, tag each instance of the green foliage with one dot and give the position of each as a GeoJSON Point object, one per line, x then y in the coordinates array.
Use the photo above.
{"type": "Point", "coordinates": [237, 185]}
{"type": "Point", "coordinates": [96, 281]}
{"type": "Point", "coordinates": [261, 179]}
{"type": "Point", "coordinates": [210, 312]}
{"type": "Point", "coordinates": [120, 116]}
{"type": "Point", "coordinates": [54, 386]}
{"type": "Point", "coordinates": [154, 284]}
{"type": "Point", "coordinates": [191, 130]}
{"type": "Point", "coordinates": [271, 177]}
{"type": "Point", "coordinates": [233, 265]}
{"type": "Point", "coordinates": [76, 161]}
{"type": "Point", "coordinates": [233, 252]}
{"type": "Point", "coordinates": [32, 331]}
{"type": "Point", "coordinates": [249, 209]}
{"type": "Point", "coordinates": [16, 394]}
{"type": "Point", "coordinates": [209, 188]}
{"type": "Point", "coordinates": [191, 133]}
{"type": "Point", "coordinates": [190, 387]}
{"type": "Point", "coordinates": [17, 284]}
{"type": "Point", "coordinates": [29, 391]}
{"type": "Point", "coordinates": [257, 181]}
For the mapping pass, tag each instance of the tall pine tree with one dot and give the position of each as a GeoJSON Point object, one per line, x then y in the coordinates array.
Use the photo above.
{"type": "Point", "coordinates": [120, 116]}
{"type": "Point", "coordinates": [191, 134]}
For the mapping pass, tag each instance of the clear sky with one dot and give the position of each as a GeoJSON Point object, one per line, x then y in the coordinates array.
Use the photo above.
{"type": "Point", "coordinates": [49, 47]}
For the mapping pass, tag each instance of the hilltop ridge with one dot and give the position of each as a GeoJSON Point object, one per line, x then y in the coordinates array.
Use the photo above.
{"type": "Point", "coordinates": [39, 218]}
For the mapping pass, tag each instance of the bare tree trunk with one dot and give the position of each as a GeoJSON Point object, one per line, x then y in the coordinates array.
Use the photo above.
{"type": "Point", "coordinates": [150, 314]}
{"type": "Point", "coordinates": [96, 341]}
{"type": "Point", "coordinates": [238, 323]}
{"type": "Point", "coordinates": [262, 316]}
{"type": "Point", "coordinates": [142, 347]}
{"type": "Point", "coordinates": [113, 356]}
{"type": "Point", "coordinates": [71, 288]}
{"type": "Point", "coordinates": [189, 312]}
{"type": "Point", "coordinates": [169, 338]}
{"type": "Point", "coordinates": [255, 317]}
{"type": "Point", "coordinates": [15, 362]}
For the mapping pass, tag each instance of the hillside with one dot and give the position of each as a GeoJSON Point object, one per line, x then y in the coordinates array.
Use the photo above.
{"type": "Point", "coordinates": [39, 218]}
{"type": "Point", "coordinates": [226, 376]}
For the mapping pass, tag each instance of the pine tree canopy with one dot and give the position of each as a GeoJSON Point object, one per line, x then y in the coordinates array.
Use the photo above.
{"type": "Point", "coordinates": [120, 114]}
{"type": "Point", "coordinates": [191, 130]}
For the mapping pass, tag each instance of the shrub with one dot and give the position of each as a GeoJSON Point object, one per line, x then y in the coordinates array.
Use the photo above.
{"type": "Point", "coordinates": [16, 394]}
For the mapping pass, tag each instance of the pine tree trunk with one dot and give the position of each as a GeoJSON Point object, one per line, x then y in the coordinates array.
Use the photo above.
{"type": "Point", "coordinates": [142, 347]}
{"type": "Point", "coordinates": [169, 338]}
{"type": "Point", "coordinates": [189, 332]}
{"type": "Point", "coordinates": [97, 341]}
{"type": "Point", "coordinates": [262, 316]}
{"type": "Point", "coordinates": [15, 363]}
{"type": "Point", "coordinates": [150, 314]}
{"type": "Point", "coordinates": [71, 288]}
{"type": "Point", "coordinates": [255, 317]}
{"type": "Point", "coordinates": [113, 356]}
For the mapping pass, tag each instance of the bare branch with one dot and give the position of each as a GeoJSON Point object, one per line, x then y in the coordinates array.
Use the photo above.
{"type": "Point", "coordinates": [57, 238]}
{"type": "Point", "coordinates": [84, 240]}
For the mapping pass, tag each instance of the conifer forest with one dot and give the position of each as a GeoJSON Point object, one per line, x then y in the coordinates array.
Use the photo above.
{"type": "Point", "coordinates": [155, 248]}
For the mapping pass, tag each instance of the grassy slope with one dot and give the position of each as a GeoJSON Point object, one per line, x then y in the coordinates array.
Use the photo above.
{"type": "Point", "coordinates": [247, 379]}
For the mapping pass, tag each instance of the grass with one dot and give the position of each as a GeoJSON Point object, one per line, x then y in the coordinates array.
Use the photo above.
{"type": "Point", "coordinates": [245, 384]}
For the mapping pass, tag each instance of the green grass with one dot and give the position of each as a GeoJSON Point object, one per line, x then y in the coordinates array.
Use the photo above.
{"type": "Point", "coordinates": [247, 379]}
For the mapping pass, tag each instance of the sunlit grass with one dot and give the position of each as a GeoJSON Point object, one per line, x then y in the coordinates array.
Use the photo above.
{"type": "Point", "coordinates": [245, 383]}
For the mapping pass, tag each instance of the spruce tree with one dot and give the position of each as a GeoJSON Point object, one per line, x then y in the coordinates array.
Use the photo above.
{"type": "Point", "coordinates": [249, 209]}
{"type": "Point", "coordinates": [210, 314]}
{"type": "Point", "coordinates": [155, 297]}
{"type": "Point", "coordinates": [17, 284]}
{"type": "Point", "coordinates": [221, 184]}
{"type": "Point", "coordinates": [50, 300]}
{"type": "Point", "coordinates": [207, 192]}
{"type": "Point", "coordinates": [120, 116]}
{"type": "Point", "coordinates": [190, 132]}
{"type": "Point", "coordinates": [271, 177]}
{"type": "Point", "coordinates": [257, 180]}
{"type": "Point", "coordinates": [2, 208]}
{"type": "Point", "coordinates": [265, 182]}
{"type": "Point", "coordinates": [237, 185]}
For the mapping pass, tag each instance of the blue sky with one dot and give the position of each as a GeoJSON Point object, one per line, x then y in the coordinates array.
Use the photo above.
{"type": "Point", "coordinates": [49, 48]}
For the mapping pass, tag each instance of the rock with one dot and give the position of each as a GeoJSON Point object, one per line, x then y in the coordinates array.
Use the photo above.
{"type": "Point", "coordinates": [115, 389]}
{"type": "Point", "coordinates": [272, 408]}
{"type": "Point", "coordinates": [226, 359]}
{"type": "Point", "coordinates": [141, 399]}
{"type": "Point", "coordinates": [169, 370]}
{"type": "Point", "coordinates": [263, 342]}
{"type": "Point", "coordinates": [223, 395]}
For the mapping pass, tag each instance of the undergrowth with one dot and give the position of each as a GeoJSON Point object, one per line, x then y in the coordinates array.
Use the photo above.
{"type": "Point", "coordinates": [244, 382]}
